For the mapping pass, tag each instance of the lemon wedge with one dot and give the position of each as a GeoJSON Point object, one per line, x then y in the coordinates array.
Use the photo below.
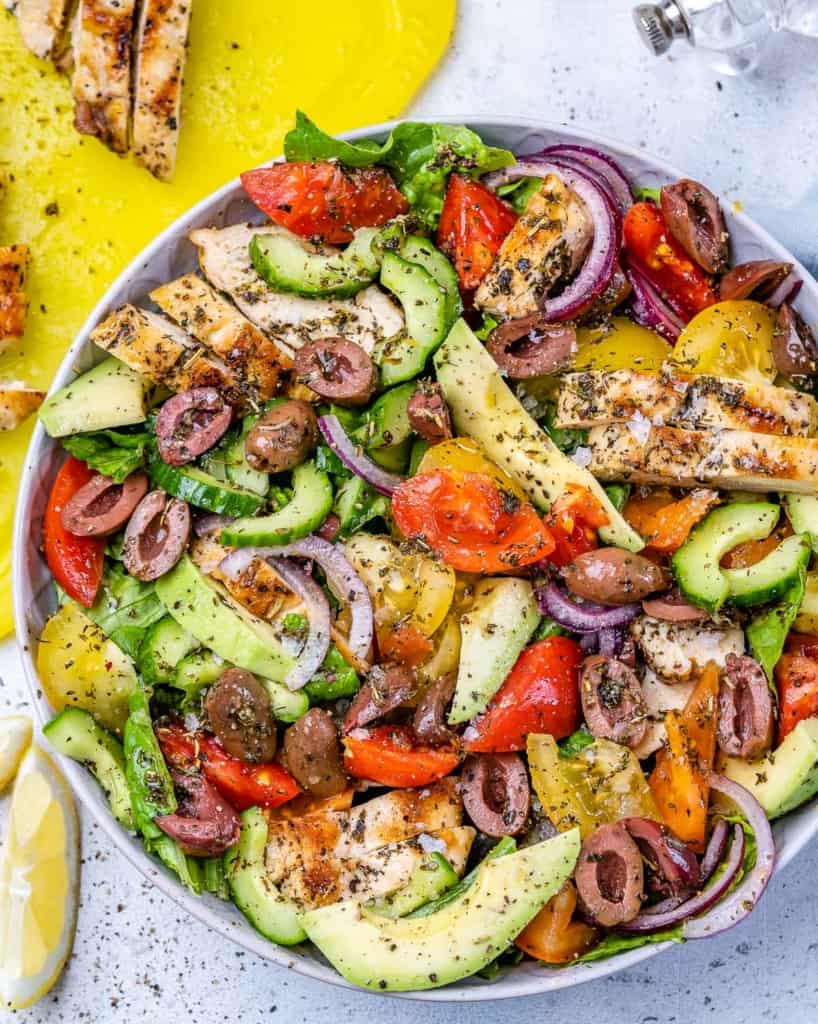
{"type": "Point", "coordinates": [15, 739]}
{"type": "Point", "coordinates": [39, 881]}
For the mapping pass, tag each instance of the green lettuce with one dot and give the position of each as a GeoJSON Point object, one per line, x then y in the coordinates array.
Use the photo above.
{"type": "Point", "coordinates": [576, 742]}
{"type": "Point", "coordinates": [420, 157]}
{"type": "Point", "coordinates": [114, 453]}
{"type": "Point", "coordinates": [768, 630]}
{"type": "Point", "coordinates": [519, 192]}
{"type": "Point", "coordinates": [125, 608]}
{"type": "Point", "coordinates": [613, 944]}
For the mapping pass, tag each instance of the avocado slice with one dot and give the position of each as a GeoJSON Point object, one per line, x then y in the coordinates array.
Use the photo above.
{"type": "Point", "coordinates": [110, 394]}
{"type": "Point", "coordinates": [430, 879]}
{"type": "Point", "coordinates": [784, 778]}
{"type": "Point", "coordinates": [420, 953]}
{"type": "Point", "coordinates": [807, 619]}
{"type": "Point", "coordinates": [499, 624]}
{"type": "Point", "coordinates": [205, 609]}
{"type": "Point", "coordinates": [485, 409]}
{"type": "Point", "coordinates": [802, 512]}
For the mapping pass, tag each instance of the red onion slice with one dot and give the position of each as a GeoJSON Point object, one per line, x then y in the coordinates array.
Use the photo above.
{"type": "Point", "coordinates": [586, 617]}
{"type": "Point", "coordinates": [748, 892]}
{"type": "Point", "coordinates": [602, 164]}
{"type": "Point", "coordinates": [649, 308]}
{"type": "Point", "coordinates": [208, 524]}
{"type": "Point", "coordinates": [354, 459]}
{"type": "Point", "coordinates": [600, 263]}
{"type": "Point", "coordinates": [715, 849]}
{"type": "Point", "coordinates": [312, 654]}
{"type": "Point", "coordinates": [673, 915]}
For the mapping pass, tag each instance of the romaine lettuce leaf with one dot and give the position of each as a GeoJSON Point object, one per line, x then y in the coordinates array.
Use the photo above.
{"type": "Point", "coordinates": [114, 453]}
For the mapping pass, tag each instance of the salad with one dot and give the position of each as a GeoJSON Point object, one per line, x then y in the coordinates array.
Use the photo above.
{"type": "Point", "coordinates": [433, 563]}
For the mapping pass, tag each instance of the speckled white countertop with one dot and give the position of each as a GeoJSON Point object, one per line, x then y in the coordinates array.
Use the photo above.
{"type": "Point", "coordinates": [137, 956]}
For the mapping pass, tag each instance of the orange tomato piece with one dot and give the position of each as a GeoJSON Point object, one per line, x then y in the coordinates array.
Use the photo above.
{"type": "Point", "coordinates": [406, 644]}
{"type": "Point", "coordinates": [665, 524]}
{"type": "Point", "coordinates": [392, 756]}
{"type": "Point", "coordinates": [752, 551]}
{"type": "Point", "coordinates": [678, 781]}
{"type": "Point", "coordinates": [553, 936]}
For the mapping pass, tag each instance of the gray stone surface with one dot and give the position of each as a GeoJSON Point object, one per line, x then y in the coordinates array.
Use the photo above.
{"type": "Point", "coordinates": [137, 957]}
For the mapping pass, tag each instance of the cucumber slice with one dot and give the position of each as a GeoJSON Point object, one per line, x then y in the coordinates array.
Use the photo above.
{"type": "Point", "coordinates": [430, 879]}
{"type": "Point", "coordinates": [697, 563]}
{"type": "Point", "coordinates": [76, 734]}
{"type": "Point", "coordinates": [421, 251]}
{"type": "Point", "coordinates": [770, 578]}
{"type": "Point", "coordinates": [110, 394]}
{"type": "Point", "coordinates": [164, 646]}
{"type": "Point", "coordinates": [425, 307]}
{"type": "Point", "coordinates": [199, 488]}
{"type": "Point", "coordinates": [802, 512]}
{"type": "Point", "coordinates": [289, 264]}
{"type": "Point", "coordinates": [306, 510]}
{"type": "Point", "coordinates": [356, 503]}
{"type": "Point", "coordinates": [197, 671]}
{"type": "Point", "coordinates": [387, 421]}
{"type": "Point", "coordinates": [267, 910]}
{"type": "Point", "coordinates": [227, 462]}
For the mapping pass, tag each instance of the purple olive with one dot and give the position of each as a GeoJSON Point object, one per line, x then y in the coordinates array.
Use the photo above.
{"type": "Point", "coordinates": [204, 824]}
{"type": "Point", "coordinates": [190, 423]}
{"type": "Point", "coordinates": [673, 866]}
{"type": "Point", "coordinates": [612, 700]}
{"type": "Point", "coordinates": [694, 218]}
{"type": "Point", "coordinates": [795, 349]}
{"type": "Point", "coordinates": [386, 688]}
{"type": "Point", "coordinates": [609, 876]}
{"type": "Point", "coordinates": [757, 279]}
{"type": "Point", "coordinates": [531, 346]}
{"type": "Point", "coordinates": [101, 507]}
{"type": "Point", "coordinates": [496, 793]}
{"type": "Point", "coordinates": [156, 536]}
{"type": "Point", "coordinates": [746, 716]}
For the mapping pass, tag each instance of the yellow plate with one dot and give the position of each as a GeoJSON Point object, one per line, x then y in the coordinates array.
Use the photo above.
{"type": "Point", "coordinates": [251, 64]}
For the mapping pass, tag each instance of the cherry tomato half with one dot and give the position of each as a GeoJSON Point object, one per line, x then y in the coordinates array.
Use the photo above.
{"type": "Point", "coordinates": [76, 563]}
{"type": "Point", "coordinates": [392, 756]}
{"type": "Point", "coordinates": [472, 523]}
{"type": "Point", "coordinates": [796, 679]}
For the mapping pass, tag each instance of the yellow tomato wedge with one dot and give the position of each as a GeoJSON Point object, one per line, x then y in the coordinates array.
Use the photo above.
{"type": "Point", "coordinates": [620, 345]}
{"type": "Point", "coordinates": [39, 880]}
{"type": "Point", "coordinates": [731, 339]}
{"type": "Point", "coordinates": [436, 586]}
{"type": "Point", "coordinates": [15, 739]}
{"type": "Point", "coordinates": [464, 454]}
{"type": "Point", "coordinates": [602, 783]}
{"type": "Point", "coordinates": [446, 657]}
{"type": "Point", "coordinates": [78, 664]}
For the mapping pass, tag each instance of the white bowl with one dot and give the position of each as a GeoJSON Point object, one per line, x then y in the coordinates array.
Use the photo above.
{"type": "Point", "coordinates": [170, 255]}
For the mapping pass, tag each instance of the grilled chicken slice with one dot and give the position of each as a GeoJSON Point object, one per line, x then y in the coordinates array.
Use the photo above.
{"type": "Point", "coordinates": [161, 43]}
{"type": "Point", "coordinates": [365, 851]}
{"type": "Point", "coordinates": [17, 403]}
{"type": "Point", "coordinates": [13, 304]}
{"type": "Point", "coordinates": [546, 247]}
{"type": "Point", "coordinates": [41, 23]}
{"type": "Point", "coordinates": [218, 325]}
{"type": "Point", "coordinates": [258, 587]}
{"type": "Point", "coordinates": [290, 320]}
{"type": "Point", "coordinates": [101, 83]}
{"type": "Point", "coordinates": [596, 397]}
{"type": "Point", "coordinates": [731, 459]}
{"type": "Point", "coordinates": [679, 651]}
{"type": "Point", "coordinates": [164, 353]}
{"type": "Point", "coordinates": [660, 697]}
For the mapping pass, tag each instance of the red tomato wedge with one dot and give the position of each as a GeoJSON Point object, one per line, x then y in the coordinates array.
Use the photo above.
{"type": "Point", "coordinates": [540, 694]}
{"type": "Point", "coordinates": [473, 224]}
{"type": "Point", "coordinates": [472, 523]}
{"type": "Point", "coordinates": [574, 520]}
{"type": "Point", "coordinates": [796, 679]}
{"type": "Point", "coordinates": [242, 785]}
{"type": "Point", "coordinates": [652, 249]}
{"type": "Point", "coordinates": [323, 199]}
{"type": "Point", "coordinates": [76, 563]}
{"type": "Point", "coordinates": [392, 756]}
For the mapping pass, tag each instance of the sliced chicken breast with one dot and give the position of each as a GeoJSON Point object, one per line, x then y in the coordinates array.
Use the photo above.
{"type": "Point", "coordinates": [101, 83]}
{"type": "Point", "coordinates": [258, 587]}
{"type": "Point", "coordinates": [660, 697]}
{"type": "Point", "coordinates": [163, 352]}
{"type": "Point", "coordinates": [290, 320]}
{"type": "Point", "coordinates": [731, 459]}
{"type": "Point", "coordinates": [255, 360]}
{"type": "Point", "coordinates": [546, 246]}
{"type": "Point", "coordinates": [595, 398]}
{"type": "Point", "coordinates": [41, 23]}
{"type": "Point", "coordinates": [161, 45]}
{"type": "Point", "coordinates": [13, 302]}
{"type": "Point", "coordinates": [17, 403]}
{"type": "Point", "coordinates": [679, 651]}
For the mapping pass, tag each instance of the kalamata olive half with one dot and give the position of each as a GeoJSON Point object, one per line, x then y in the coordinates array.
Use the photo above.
{"type": "Point", "coordinates": [612, 700]}
{"type": "Point", "coordinates": [609, 876]}
{"type": "Point", "coordinates": [531, 347]}
{"type": "Point", "coordinates": [673, 867]}
{"type": "Point", "coordinates": [101, 507]}
{"type": "Point", "coordinates": [428, 413]}
{"type": "Point", "coordinates": [694, 218]}
{"type": "Point", "coordinates": [386, 688]}
{"type": "Point", "coordinates": [614, 576]}
{"type": "Point", "coordinates": [204, 824]}
{"type": "Point", "coordinates": [156, 536]}
{"type": "Point", "coordinates": [312, 753]}
{"type": "Point", "coordinates": [430, 715]}
{"type": "Point", "coordinates": [496, 793]}
{"type": "Point", "coordinates": [757, 280]}
{"type": "Point", "coordinates": [239, 712]}
{"type": "Point", "coordinates": [611, 297]}
{"type": "Point", "coordinates": [795, 349]}
{"type": "Point", "coordinates": [746, 720]}
{"type": "Point", "coordinates": [282, 438]}
{"type": "Point", "coordinates": [336, 369]}
{"type": "Point", "coordinates": [190, 423]}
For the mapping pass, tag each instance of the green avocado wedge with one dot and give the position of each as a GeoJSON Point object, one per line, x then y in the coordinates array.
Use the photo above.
{"type": "Point", "coordinates": [400, 955]}
{"type": "Point", "coordinates": [485, 409]}
{"type": "Point", "coordinates": [204, 608]}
